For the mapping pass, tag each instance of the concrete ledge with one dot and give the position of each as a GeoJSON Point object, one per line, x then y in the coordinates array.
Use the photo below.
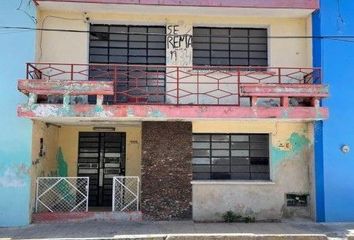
{"type": "Point", "coordinates": [61, 87]}
{"type": "Point", "coordinates": [231, 182]}
{"type": "Point", "coordinates": [290, 4]}
{"type": "Point", "coordinates": [169, 112]}
{"type": "Point", "coordinates": [141, 237]}
{"type": "Point", "coordinates": [56, 217]}
{"type": "Point", "coordinates": [247, 236]}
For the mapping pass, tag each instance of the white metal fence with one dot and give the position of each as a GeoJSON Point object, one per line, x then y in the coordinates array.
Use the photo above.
{"type": "Point", "coordinates": [125, 196]}
{"type": "Point", "coordinates": [62, 194]}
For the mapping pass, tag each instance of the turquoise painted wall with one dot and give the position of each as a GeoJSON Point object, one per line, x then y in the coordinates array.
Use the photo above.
{"type": "Point", "coordinates": [17, 48]}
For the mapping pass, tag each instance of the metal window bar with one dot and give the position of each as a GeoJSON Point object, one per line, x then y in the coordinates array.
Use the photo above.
{"type": "Point", "coordinates": [130, 44]}
{"type": "Point", "coordinates": [62, 194]}
{"type": "Point", "coordinates": [125, 196]}
{"type": "Point", "coordinates": [255, 166]}
{"type": "Point", "coordinates": [208, 46]}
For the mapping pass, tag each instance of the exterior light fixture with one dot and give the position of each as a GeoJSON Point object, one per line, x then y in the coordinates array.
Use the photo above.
{"type": "Point", "coordinates": [104, 129]}
{"type": "Point", "coordinates": [345, 148]}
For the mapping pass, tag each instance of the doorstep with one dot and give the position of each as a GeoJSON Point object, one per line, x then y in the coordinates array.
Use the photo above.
{"type": "Point", "coordinates": [56, 217]}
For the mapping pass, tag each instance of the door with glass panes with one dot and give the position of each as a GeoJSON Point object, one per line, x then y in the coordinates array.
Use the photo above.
{"type": "Point", "coordinates": [101, 156]}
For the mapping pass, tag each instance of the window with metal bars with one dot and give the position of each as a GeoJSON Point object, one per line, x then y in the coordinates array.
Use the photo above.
{"type": "Point", "coordinates": [137, 47]}
{"type": "Point", "coordinates": [230, 46]}
{"type": "Point", "coordinates": [230, 157]}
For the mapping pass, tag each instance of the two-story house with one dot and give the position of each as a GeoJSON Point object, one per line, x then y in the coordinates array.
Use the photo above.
{"type": "Point", "coordinates": [173, 109]}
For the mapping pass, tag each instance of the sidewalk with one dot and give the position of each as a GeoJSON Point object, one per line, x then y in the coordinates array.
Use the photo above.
{"type": "Point", "coordinates": [107, 229]}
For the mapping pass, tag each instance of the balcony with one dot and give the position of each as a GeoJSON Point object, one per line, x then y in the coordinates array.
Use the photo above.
{"type": "Point", "coordinates": [154, 92]}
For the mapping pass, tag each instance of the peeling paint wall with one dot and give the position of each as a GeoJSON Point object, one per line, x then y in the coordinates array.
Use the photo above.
{"type": "Point", "coordinates": [44, 157]}
{"type": "Point", "coordinates": [291, 158]}
{"type": "Point", "coordinates": [15, 137]}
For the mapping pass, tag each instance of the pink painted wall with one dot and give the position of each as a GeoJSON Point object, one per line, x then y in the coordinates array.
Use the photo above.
{"type": "Point", "coordinates": [301, 4]}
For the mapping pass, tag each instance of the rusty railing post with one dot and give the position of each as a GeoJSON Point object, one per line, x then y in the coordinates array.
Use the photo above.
{"type": "Point", "coordinates": [238, 98]}
{"type": "Point", "coordinates": [27, 69]}
{"type": "Point", "coordinates": [72, 71]}
{"type": "Point", "coordinates": [49, 67]}
{"type": "Point", "coordinates": [177, 68]}
{"type": "Point", "coordinates": [198, 90]}
{"type": "Point", "coordinates": [115, 83]}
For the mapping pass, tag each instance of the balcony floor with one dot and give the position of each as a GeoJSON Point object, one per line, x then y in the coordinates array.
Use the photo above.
{"type": "Point", "coordinates": [127, 112]}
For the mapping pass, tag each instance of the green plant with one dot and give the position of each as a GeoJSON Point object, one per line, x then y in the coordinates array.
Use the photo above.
{"type": "Point", "coordinates": [230, 216]}
{"type": "Point", "coordinates": [249, 219]}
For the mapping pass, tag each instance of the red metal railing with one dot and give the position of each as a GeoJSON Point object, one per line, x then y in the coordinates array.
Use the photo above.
{"type": "Point", "coordinates": [159, 84]}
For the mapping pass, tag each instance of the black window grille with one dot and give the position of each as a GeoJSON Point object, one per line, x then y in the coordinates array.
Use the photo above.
{"type": "Point", "coordinates": [230, 46]}
{"type": "Point", "coordinates": [231, 157]}
{"type": "Point", "coordinates": [132, 46]}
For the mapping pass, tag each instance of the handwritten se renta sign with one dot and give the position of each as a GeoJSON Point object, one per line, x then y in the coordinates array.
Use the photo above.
{"type": "Point", "coordinates": [176, 40]}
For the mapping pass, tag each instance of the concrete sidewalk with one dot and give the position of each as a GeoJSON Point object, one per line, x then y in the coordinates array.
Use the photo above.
{"type": "Point", "coordinates": [107, 229]}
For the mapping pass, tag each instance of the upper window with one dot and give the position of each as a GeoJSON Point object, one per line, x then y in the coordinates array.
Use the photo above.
{"type": "Point", "coordinates": [230, 46]}
{"type": "Point", "coordinates": [127, 44]}
{"type": "Point", "coordinates": [143, 48]}
{"type": "Point", "coordinates": [231, 156]}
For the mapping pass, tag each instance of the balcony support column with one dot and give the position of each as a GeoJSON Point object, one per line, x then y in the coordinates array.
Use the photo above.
{"type": "Point", "coordinates": [254, 101]}
{"type": "Point", "coordinates": [66, 100]}
{"type": "Point", "coordinates": [99, 100]}
{"type": "Point", "coordinates": [284, 102]}
{"type": "Point", "coordinates": [315, 102]}
{"type": "Point", "coordinates": [32, 98]}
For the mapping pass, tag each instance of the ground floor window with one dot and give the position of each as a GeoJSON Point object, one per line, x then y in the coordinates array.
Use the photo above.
{"type": "Point", "coordinates": [230, 157]}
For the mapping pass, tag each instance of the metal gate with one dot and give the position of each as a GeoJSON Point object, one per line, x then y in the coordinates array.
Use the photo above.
{"type": "Point", "coordinates": [101, 156]}
{"type": "Point", "coordinates": [125, 195]}
{"type": "Point", "coordinates": [62, 194]}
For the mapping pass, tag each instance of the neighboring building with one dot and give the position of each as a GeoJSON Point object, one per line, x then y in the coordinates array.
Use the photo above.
{"type": "Point", "coordinates": [17, 47]}
{"type": "Point", "coordinates": [334, 180]}
{"type": "Point", "coordinates": [202, 102]}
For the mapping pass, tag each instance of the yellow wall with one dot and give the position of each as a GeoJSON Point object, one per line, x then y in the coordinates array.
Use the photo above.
{"type": "Point", "coordinates": [280, 134]}
{"type": "Point", "coordinates": [69, 139]}
{"type": "Point", "coordinates": [291, 160]}
{"type": "Point", "coordinates": [46, 165]}
{"type": "Point", "coordinates": [66, 138]}
{"type": "Point", "coordinates": [73, 47]}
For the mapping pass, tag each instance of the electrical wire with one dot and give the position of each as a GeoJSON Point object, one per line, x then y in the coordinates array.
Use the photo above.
{"type": "Point", "coordinates": [11, 32]}
{"type": "Point", "coordinates": [19, 8]}
{"type": "Point", "coordinates": [42, 26]}
{"type": "Point", "coordinates": [344, 38]}
{"type": "Point", "coordinates": [332, 37]}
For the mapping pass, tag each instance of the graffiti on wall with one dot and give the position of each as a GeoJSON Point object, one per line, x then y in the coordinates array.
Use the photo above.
{"type": "Point", "coordinates": [178, 43]}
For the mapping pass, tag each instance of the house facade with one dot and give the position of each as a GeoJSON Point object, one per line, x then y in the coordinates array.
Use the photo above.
{"type": "Point", "coordinates": [167, 110]}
